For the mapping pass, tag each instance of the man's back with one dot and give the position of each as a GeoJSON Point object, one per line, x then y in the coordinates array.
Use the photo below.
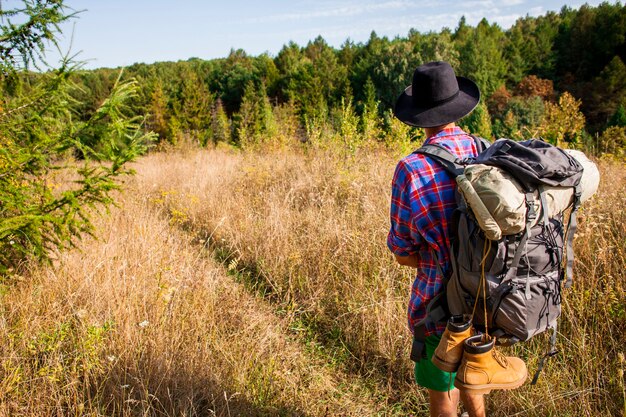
{"type": "Point", "coordinates": [422, 203]}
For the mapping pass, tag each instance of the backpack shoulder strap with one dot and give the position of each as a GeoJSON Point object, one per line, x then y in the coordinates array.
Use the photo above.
{"type": "Point", "coordinates": [450, 163]}
{"type": "Point", "coordinates": [481, 143]}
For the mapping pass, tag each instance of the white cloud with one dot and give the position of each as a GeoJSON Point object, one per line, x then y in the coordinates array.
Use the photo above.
{"type": "Point", "coordinates": [483, 4]}
{"type": "Point", "coordinates": [342, 11]}
{"type": "Point", "coordinates": [536, 11]}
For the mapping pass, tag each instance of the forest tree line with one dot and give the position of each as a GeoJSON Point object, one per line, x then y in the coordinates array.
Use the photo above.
{"type": "Point", "coordinates": [560, 76]}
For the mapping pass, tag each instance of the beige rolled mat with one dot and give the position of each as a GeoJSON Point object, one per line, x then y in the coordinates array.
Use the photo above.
{"type": "Point", "coordinates": [591, 175]}
{"type": "Point", "coordinates": [499, 202]}
{"type": "Point", "coordinates": [485, 220]}
{"type": "Point", "coordinates": [560, 199]}
{"type": "Point", "coordinates": [501, 195]}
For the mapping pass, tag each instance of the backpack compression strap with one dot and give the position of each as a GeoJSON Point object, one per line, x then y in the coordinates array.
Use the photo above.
{"type": "Point", "coordinates": [571, 231]}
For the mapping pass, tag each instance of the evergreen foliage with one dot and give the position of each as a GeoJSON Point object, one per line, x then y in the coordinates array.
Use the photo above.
{"type": "Point", "coordinates": [40, 131]}
{"type": "Point", "coordinates": [236, 99]}
{"type": "Point", "coordinates": [520, 71]}
{"type": "Point", "coordinates": [619, 117]}
{"type": "Point", "coordinates": [478, 122]}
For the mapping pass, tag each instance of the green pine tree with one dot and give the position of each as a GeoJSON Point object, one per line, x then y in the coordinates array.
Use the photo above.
{"type": "Point", "coordinates": [38, 133]}
{"type": "Point", "coordinates": [370, 120]}
{"type": "Point", "coordinates": [619, 117]}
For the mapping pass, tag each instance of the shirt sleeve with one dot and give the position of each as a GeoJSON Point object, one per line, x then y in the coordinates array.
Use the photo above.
{"type": "Point", "coordinates": [403, 238]}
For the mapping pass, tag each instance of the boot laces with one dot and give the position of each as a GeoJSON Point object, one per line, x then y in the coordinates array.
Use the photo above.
{"type": "Point", "coordinates": [500, 358]}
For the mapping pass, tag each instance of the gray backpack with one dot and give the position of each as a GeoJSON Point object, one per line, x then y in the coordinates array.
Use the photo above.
{"type": "Point", "coordinates": [511, 286]}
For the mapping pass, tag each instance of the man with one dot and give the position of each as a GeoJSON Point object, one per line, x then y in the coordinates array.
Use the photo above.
{"type": "Point", "coordinates": [422, 203]}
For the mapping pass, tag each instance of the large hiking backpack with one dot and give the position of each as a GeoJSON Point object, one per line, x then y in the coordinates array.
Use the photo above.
{"type": "Point", "coordinates": [509, 278]}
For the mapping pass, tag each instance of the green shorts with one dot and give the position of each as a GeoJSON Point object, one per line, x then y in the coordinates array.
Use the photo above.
{"type": "Point", "coordinates": [427, 374]}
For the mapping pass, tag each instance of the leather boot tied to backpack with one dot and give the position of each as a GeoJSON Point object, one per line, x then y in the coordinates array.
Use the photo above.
{"type": "Point", "coordinates": [483, 368]}
{"type": "Point", "coordinates": [449, 352]}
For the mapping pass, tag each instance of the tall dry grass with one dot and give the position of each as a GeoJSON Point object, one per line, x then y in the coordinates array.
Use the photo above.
{"type": "Point", "coordinates": [307, 231]}
{"type": "Point", "coordinates": [143, 322]}
{"type": "Point", "coordinates": [259, 283]}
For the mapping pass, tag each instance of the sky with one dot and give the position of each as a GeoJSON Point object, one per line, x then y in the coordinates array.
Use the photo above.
{"type": "Point", "coordinates": [113, 33]}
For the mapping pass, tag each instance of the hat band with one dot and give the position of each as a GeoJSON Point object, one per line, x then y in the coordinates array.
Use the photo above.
{"type": "Point", "coordinates": [442, 101]}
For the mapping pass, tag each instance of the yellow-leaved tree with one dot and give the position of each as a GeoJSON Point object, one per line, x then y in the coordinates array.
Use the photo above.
{"type": "Point", "coordinates": [563, 124]}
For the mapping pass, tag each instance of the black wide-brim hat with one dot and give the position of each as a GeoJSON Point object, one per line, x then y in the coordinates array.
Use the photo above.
{"type": "Point", "coordinates": [436, 97]}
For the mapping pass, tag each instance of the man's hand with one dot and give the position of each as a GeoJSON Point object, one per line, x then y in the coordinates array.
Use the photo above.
{"type": "Point", "coordinates": [410, 260]}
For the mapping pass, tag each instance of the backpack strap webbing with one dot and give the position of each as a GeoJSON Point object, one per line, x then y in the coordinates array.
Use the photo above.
{"type": "Point", "coordinates": [571, 231]}
{"type": "Point", "coordinates": [531, 215]}
{"type": "Point", "coordinates": [448, 161]}
{"type": "Point", "coordinates": [544, 204]}
{"type": "Point", "coordinates": [550, 353]}
{"type": "Point", "coordinates": [503, 289]}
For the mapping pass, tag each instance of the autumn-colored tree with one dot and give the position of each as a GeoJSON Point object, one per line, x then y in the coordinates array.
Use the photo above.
{"type": "Point", "coordinates": [533, 86]}
{"type": "Point", "coordinates": [498, 101]}
{"type": "Point", "coordinates": [613, 142]}
{"type": "Point", "coordinates": [563, 124]}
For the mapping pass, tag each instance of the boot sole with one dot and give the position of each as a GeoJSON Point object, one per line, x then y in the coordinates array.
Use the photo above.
{"type": "Point", "coordinates": [445, 366]}
{"type": "Point", "coordinates": [486, 388]}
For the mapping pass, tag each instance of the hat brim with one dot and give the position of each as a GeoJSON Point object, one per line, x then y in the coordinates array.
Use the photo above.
{"type": "Point", "coordinates": [438, 115]}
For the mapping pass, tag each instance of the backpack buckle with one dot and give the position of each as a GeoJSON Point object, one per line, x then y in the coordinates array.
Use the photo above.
{"type": "Point", "coordinates": [530, 203]}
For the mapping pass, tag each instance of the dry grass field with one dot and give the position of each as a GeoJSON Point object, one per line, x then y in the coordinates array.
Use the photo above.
{"type": "Point", "coordinates": [258, 283]}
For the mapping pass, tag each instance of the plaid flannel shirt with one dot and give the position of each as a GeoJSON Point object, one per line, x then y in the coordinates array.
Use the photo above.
{"type": "Point", "coordinates": [422, 203]}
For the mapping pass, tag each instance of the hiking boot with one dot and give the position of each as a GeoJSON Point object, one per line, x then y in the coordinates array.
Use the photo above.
{"type": "Point", "coordinates": [483, 368]}
{"type": "Point", "coordinates": [447, 356]}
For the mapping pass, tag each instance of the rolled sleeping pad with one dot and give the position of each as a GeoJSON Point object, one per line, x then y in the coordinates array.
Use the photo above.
{"type": "Point", "coordinates": [591, 175]}
{"type": "Point", "coordinates": [500, 193]}
{"type": "Point", "coordinates": [560, 199]}
{"type": "Point", "coordinates": [499, 203]}
{"type": "Point", "coordinates": [485, 220]}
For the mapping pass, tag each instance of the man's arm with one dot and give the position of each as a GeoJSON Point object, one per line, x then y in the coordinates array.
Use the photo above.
{"type": "Point", "coordinates": [403, 239]}
{"type": "Point", "coordinates": [410, 260]}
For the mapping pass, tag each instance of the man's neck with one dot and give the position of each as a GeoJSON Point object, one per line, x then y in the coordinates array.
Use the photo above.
{"type": "Point", "coordinates": [432, 131]}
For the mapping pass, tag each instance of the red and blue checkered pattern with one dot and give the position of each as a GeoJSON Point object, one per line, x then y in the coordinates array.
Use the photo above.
{"type": "Point", "coordinates": [422, 203]}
